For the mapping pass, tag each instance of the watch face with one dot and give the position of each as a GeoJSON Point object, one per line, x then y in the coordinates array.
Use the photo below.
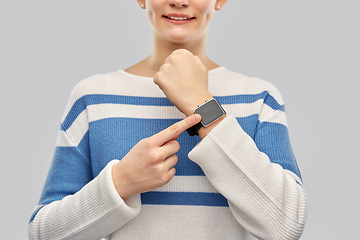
{"type": "Point", "coordinates": [210, 111]}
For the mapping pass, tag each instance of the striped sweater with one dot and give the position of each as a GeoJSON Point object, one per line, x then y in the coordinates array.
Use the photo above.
{"type": "Point", "coordinates": [240, 182]}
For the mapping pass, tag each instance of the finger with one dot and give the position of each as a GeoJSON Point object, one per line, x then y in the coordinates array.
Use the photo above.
{"type": "Point", "coordinates": [164, 66]}
{"type": "Point", "coordinates": [182, 50]}
{"type": "Point", "coordinates": [174, 130]}
{"type": "Point", "coordinates": [171, 161]}
{"type": "Point", "coordinates": [154, 78]}
{"type": "Point", "coordinates": [170, 174]}
{"type": "Point", "coordinates": [176, 51]}
{"type": "Point", "coordinates": [167, 59]}
{"type": "Point", "coordinates": [170, 148]}
{"type": "Point", "coordinates": [198, 61]}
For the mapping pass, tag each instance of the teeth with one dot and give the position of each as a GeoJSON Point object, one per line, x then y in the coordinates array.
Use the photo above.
{"type": "Point", "coordinates": [178, 18]}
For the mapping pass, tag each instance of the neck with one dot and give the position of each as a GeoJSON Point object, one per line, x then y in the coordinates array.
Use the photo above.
{"type": "Point", "coordinates": [162, 49]}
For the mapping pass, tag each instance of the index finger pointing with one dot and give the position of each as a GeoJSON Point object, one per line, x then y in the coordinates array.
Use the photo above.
{"type": "Point", "coordinates": [174, 130]}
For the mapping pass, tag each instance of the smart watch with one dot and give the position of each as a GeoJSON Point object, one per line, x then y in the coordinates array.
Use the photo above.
{"type": "Point", "coordinates": [210, 111]}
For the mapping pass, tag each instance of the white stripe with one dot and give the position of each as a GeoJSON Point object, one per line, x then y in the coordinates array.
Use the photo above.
{"type": "Point", "coordinates": [183, 222]}
{"type": "Point", "coordinates": [188, 184]}
{"type": "Point", "coordinates": [268, 115]}
{"type": "Point", "coordinates": [223, 82]}
{"type": "Point", "coordinates": [63, 140]}
{"type": "Point", "coordinates": [103, 111]}
{"type": "Point", "coordinates": [241, 110]}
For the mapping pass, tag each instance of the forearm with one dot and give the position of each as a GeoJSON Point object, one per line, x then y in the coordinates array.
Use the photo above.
{"type": "Point", "coordinates": [92, 213]}
{"type": "Point", "coordinates": [264, 198]}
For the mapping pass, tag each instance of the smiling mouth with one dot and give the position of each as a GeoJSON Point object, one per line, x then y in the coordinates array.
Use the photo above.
{"type": "Point", "coordinates": [179, 18]}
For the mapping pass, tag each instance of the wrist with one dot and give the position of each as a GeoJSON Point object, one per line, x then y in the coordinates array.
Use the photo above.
{"type": "Point", "coordinates": [203, 131]}
{"type": "Point", "coordinates": [121, 189]}
{"type": "Point", "coordinates": [195, 102]}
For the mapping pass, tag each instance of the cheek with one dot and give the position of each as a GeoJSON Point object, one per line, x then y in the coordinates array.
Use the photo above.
{"type": "Point", "coordinates": [153, 8]}
{"type": "Point", "coordinates": [206, 7]}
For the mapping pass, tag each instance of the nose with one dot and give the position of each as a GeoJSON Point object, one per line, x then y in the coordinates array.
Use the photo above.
{"type": "Point", "coordinates": [179, 3]}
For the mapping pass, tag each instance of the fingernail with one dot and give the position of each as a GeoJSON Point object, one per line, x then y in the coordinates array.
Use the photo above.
{"type": "Point", "coordinates": [196, 117]}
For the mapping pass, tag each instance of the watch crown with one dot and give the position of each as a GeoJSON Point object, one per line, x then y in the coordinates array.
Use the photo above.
{"type": "Point", "coordinates": [205, 102]}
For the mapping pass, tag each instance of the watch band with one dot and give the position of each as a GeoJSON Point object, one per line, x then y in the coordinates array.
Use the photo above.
{"type": "Point", "coordinates": [192, 131]}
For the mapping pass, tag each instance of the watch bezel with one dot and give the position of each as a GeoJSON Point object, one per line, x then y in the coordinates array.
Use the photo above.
{"type": "Point", "coordinates": [215, 117]}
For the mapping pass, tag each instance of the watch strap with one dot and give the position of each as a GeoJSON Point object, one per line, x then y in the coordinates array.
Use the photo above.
{"type": "Point", "coordinates": [192, 131]}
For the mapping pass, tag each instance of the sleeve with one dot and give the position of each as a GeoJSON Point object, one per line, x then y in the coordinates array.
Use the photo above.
{"type": "Point", "coordinates": [73, 204]}
{"type": "Point", "coordinates": [258, 176]}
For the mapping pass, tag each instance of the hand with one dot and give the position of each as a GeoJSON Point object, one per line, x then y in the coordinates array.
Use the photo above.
{"type": "Point", "coordinates": [184, 80]}
{"type": "Point", "coordinates": [150, 163]}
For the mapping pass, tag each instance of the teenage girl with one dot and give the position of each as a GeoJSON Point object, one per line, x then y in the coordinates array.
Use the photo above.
{"type": "Point", "coordinates": [126, 168]}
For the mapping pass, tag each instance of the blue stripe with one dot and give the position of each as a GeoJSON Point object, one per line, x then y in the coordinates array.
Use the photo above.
{"type": "Point", "coordinates": [243, 98]}
{"type": "Point", "coordinates": [184, 198]}
{"type": "Point", "coordinates": [113, 138]}
{"type": "Point", "coordinates": [130, 100]}
{"type": "Point", "coordinates": [271, 102]}
{"type": "Point", "coordinates": [273, 140]}
{"type": "Point", "coordinates": [84, 146]}
{"type": "Point", "coordinates": [70, 171]}
{"type": "Point", "coordinates": [251, 98]}
{"type": "Point", "coordinates": [248, 124]}
{"type": "Point", "coordinates": [81, 104]}
{"type": "Point", "coordinates": [298, 182]}
{"type": "Point", "coordinates": [124, 133]}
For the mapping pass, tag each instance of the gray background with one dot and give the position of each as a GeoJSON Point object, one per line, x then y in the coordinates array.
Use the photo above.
{"type": "Point", "coordinates": [309, 49]}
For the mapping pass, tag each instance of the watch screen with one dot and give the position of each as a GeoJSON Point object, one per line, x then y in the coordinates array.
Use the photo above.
{"type": "Point", "coordinates": [210, 111]}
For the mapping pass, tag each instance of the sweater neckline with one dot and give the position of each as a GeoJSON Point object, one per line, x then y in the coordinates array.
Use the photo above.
{"type": "Point", "coordinates": [212, 71]}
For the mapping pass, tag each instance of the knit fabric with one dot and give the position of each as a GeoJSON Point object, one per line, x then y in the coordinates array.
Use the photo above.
{"type": "Point", "coordinates": [240, 182]}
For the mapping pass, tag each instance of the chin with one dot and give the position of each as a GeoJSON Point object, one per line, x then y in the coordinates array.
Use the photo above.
{"type": "Point", "coordinates": [182, 38]}
{"type": "Point", "coordinates": [179, 40]}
